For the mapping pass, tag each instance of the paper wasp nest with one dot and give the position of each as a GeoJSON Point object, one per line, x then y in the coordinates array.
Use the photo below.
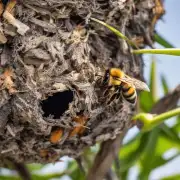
{"type": "Point", "coordinates": [52, 104]}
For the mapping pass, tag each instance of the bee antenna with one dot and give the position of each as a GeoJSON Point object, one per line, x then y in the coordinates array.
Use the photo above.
{"type": "Point", "coordinates": [99, 75]}
{"type": "Point", "coordinates": [85, 127]}
{"type": "Point", "coordinates": [82, 126]}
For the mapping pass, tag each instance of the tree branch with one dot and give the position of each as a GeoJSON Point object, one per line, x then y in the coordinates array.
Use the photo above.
{"type": "Point", "coordinates": [21, 169]}
{"type": "Point", "coordinates": [168, 102]}
{"type": "Point", "coordinates": [105, 157]}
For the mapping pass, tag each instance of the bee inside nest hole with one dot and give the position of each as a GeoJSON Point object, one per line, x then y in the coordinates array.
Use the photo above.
{"type": "Point", "coordinates": [57, 104]}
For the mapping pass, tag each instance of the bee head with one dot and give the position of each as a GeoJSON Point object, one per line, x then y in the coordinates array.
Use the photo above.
{"type": "Point", "coordinates": [116, 72]}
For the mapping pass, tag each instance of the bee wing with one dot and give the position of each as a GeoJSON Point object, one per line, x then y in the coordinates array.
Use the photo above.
{"type": "Point", "coordinates": [136, 83]}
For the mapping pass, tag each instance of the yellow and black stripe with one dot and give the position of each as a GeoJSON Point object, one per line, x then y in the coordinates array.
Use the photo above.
{"type": "Point", "coordinates": [129, 93]}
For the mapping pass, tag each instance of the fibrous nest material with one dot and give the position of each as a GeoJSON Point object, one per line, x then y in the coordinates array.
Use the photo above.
{"type": "Point", "coordinates": [53, 104]}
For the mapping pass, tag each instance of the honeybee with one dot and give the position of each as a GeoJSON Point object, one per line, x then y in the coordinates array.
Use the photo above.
{"type": "Point", "coordinates": [56, 135]}
{"type": "Point", "coordinates": [81, 120]}
{"type": "Point", "coordinates": [121, 84]}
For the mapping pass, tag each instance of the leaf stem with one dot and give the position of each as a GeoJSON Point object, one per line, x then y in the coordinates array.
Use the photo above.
{"type": "Point", "coordinates": [160, 118]}
{"type": "Point", "coordinates": [117, 32]}
{"type": "Point", "coordinates": [149, 121]}
{"type": "Point", "coordinates": [166, 51]}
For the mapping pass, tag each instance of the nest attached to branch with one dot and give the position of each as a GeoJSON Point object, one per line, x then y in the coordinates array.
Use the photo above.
{"type": "Point", "coordinates": [52, 103]}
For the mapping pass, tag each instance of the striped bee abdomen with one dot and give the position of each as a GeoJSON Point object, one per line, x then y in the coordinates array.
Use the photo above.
{"type": "Point", "coordinates": [129, 93]}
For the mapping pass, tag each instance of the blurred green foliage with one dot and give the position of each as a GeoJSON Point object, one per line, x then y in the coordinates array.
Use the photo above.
{"type": "Point", "coordinates": [162, 41]}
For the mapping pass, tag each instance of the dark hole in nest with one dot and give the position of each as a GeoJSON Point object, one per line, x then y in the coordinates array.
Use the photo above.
{"type": "Point", "coordinates": [77, 19]}
{"type": "Point", "coordinates": [57, 104]}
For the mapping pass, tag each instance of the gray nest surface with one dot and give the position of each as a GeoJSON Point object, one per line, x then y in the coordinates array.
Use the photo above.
{"type": "Point", "coordinates": [56, 66]}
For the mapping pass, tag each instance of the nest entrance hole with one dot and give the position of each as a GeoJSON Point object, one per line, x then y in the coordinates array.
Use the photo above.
{"type": "Point", "coordinates": [57, 104]}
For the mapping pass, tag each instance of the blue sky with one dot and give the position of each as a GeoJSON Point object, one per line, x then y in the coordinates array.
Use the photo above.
{"type": "Point", "coordinates": [168, 27]}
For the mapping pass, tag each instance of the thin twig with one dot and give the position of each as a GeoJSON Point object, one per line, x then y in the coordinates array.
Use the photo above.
{"type": "Point", "coordinates": [168, 102]}
{"type": "Point", "coordinates": [80, 164]}
{"type": "Point", "coordinates": [21, 169]}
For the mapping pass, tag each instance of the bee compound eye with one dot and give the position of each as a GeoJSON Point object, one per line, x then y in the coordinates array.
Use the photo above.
{"type": "Point", "coordinates": [106, 77]}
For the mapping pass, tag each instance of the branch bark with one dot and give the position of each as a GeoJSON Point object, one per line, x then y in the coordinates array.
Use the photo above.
{"type": "Point", "coordinates": [103, 160]}
{"type": "Point", "coordinates": [168, 102]}
{"type": "Point", "coordinates": [21, 169]}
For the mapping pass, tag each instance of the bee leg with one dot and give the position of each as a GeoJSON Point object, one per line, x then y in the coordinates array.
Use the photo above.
{"type": "Point", "coordinates": [106, 78]}
{"type": "Point", "coordinates": [107, 91]}
{"type": "Point", "coordinates": [116, 89]}
{"type": "Point", "coordinates": [112, 90]}
{"type": "Point", "coordinates": [112, 98]}
{"type": "Point", "coordinates": [119, 92]}
{"type": "Point", "coordinates": [118, 95]}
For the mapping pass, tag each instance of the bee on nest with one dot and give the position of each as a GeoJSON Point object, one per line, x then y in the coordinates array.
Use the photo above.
{"type": "Point", "coordinates": [118, 84]}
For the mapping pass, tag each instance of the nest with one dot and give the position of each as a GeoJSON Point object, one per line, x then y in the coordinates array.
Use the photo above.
{"type": "Point", "coordinates": [52, 73]}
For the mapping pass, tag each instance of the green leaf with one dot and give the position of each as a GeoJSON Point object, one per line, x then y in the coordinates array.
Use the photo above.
{"type": "Point", "coordinates": [153, 81]}
{"type": "Point", "coordinates": [176, 127]}
{"type": "Point", "coordinates": [133, 139]}
{"type": "Point", "coordinates": [164, 85]}
{"type": "Point", "coordinates": [131, 146]}
{"type": "Point", "coordinates": [130, 159]}
{"type": "Point", "coordinates": [34, 166]}
{"type": "Point", "coordinates": [145, 97]}
{"type": "Point", "coordinates": [170, 133]}
{"type": "Point", "coordinates": [5, 177]}
{"type": "Point", "coordinates": [34, 176]}
{"type": "Point", "coordinates": [123, 175]}
{"type": "Point", "coordinates": [115, 31]}
{"type": "Point", "coordinates": [75, 171]}
{"type": "Point", "coordinates": [160, 161]}
{"type": "Point", "coordinates": [72, 165]}
{"type": "Point", "coordinates": [152, 158]}
{"type": "Point", "coordinates": [149, 152]}
{"type": "Point", "coordinates": [172, 142]}
{"type": "Point", "coordinates": [162, 41]}
{"type": "Point", "coordinates": [48, 176]}
{"type": "Point", "coordinates": [173, 177]}
{"type": "Point", "coordinates": [77, 174]}
{"type": "Point", "coordinates": [165, 143]}
{"type": "Point", "coordinates": [167, 51]}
